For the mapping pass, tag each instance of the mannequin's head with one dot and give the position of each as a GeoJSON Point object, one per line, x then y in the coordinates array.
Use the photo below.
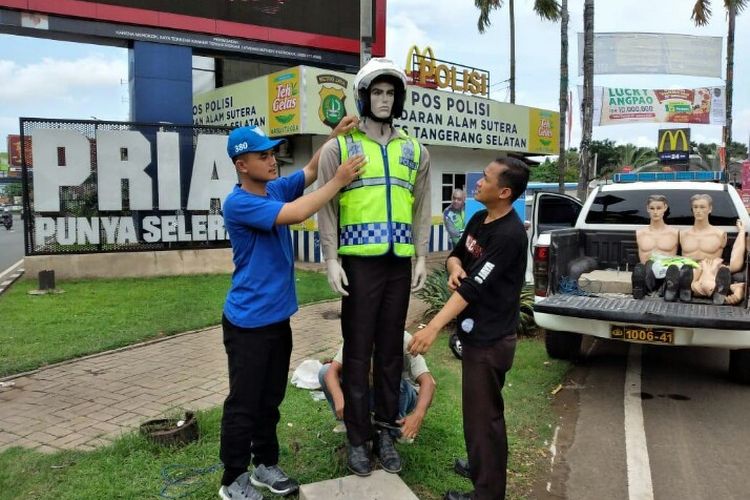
{"type": "Point", "coordinates": [701, 204]}
{"type": "Point", "coordinates": [380, 90]}
{"type": "Point", "coordinates": [657, 207]}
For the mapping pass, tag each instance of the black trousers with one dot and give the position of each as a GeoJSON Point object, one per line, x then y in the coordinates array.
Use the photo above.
{"type": "Point", "coordinates": [484, 370]}
{"type": "Point", "coordinates": [373, 315]}
{"type": "Point", "coordinates": [258, 369]}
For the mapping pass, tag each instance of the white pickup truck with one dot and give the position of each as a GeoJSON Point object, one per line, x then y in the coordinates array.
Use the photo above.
{"type": "Point", "coordinates": [600, 234]}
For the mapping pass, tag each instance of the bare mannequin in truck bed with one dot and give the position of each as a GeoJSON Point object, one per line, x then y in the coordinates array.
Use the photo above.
{"type": "Point", "coordinates": [705, 244]}
{"type": "Point", "coordinates": [702, 243]}
{"type": "Point", "coordinates": [655, 242]}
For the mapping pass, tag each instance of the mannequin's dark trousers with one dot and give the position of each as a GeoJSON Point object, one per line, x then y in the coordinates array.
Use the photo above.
{"type": "Point", "coordinates": [373, 317]}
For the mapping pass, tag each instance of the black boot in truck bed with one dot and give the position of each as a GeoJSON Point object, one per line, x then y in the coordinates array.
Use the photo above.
{"type": "Point", "coordinates": [648, 312]}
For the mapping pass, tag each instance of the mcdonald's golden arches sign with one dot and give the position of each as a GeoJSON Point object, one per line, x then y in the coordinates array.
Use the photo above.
{"type": "Point", "coordinates": [674, 144]}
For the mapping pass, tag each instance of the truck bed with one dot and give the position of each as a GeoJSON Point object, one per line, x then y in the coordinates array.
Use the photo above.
{"type": "Point", "coordinates": [649, 311]}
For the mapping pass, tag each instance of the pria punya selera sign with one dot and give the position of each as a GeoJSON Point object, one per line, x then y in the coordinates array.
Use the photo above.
{"type": "Point", "coordinates": [63, 158]}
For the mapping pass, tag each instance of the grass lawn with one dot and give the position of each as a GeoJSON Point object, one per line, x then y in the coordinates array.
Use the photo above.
{"type": "Point", "coordinates": [131, 467]}
{"type": "Point", "coordinates": [98, 315]}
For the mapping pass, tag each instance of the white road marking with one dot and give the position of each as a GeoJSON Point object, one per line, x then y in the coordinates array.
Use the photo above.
{"type": "Point", "coordinates": [636, 451]}
{"type": "Point", "coordinates": [553, 455]}
{"type": "Point", "coordinates": [11, 268]}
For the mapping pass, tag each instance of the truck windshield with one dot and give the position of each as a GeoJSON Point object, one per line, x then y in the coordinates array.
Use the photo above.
{"type": "Point", "coordinates": [630, 207]}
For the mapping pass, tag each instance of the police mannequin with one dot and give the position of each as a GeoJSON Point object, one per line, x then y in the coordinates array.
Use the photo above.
{"type": "Point", "coordinates": [368, 235]}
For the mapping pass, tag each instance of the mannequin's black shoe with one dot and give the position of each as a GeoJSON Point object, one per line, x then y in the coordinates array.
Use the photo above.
{"type": "Point", "coordinates": [358, 460]}
{"type": "Point", "coordinates": [461, 467]}
{"type": "Point", "coordinates": [686, 282]}
{"type": "Point", "coordinates": [638, 279]}
{"type": "Point", "coordinates": [650, 278]}
{"type": "Point", "coordinates": [672, 284]}
{"type": "Point", "coordinates": [386, 452]}
{"type": "Point", "coordinates": [455, 495]}
{"type": "Point", "coordinates": [723, 280]}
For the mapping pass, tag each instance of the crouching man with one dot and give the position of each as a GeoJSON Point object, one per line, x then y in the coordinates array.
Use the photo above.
{"type": "Point", "coordinates": [416, 392]}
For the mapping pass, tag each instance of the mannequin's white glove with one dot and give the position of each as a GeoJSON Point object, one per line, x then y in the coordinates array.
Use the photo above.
{"type": "Point", "coordinates": [419, 275]}
{"type": "Point", "coordinates": [337, 277]}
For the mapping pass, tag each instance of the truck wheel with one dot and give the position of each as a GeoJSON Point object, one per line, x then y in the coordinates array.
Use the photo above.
{"type": "Point", "coordinates": [739, 366]}
{"type": "Point", "coordinates": [562, 345]}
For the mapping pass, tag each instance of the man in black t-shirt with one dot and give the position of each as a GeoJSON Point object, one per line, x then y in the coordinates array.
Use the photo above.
{"type": "Point", "coordinates": [486, 272]}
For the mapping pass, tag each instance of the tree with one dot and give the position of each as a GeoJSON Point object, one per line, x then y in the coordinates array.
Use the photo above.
{"type": "Point", "coordinates": [587, 102]}
{"type": "Point", "coordinates": [633, 156]}
{"type": "Point", "coordinates": [564, 104]}
{"type": "Point", "coordinates": [549, 170]}
{"type": "Point", "coordinates": [546, 9]}
{"type": "Point", "coordinates": [606, 154]}
{"type": "Point", "coordinates": [14, 189]}
{"type": "Point", "coordinates": [701, 15]}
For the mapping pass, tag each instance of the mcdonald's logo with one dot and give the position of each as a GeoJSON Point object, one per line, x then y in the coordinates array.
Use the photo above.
{"type": "Point", "coordinates": [419, 56]}
{"type": "Point", "coordinates": [424, 70]}
{"type": "Point", "coordinates": [678, 149]}
{"type": "Point", "coordinates": [679, 140]}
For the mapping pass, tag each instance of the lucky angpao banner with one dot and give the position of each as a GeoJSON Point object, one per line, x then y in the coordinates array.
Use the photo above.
{"type": "Point", "coordinates": [704, 105]}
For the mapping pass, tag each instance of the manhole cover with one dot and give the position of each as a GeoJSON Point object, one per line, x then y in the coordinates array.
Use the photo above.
{"type": "Point", "coordinates": [331, 314]}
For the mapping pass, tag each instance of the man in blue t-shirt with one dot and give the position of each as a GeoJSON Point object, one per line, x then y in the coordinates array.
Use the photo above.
{"type": "Point", "coordinates": [262, 298]}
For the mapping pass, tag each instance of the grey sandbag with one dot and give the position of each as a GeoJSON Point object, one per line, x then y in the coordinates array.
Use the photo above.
{"type": "Point", "coordinates": [577, 267]}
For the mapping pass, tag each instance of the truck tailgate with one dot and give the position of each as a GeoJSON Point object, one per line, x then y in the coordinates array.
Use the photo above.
{"type": "Point", "coordinates": [647, 311]}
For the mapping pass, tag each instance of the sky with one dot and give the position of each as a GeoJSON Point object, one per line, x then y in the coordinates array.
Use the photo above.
{"type": "Point", "coordinates": [52, 79]}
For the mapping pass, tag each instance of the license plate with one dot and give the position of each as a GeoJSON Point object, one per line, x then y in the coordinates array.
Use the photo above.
{"type": "Point", "coordinates": [642, 334]}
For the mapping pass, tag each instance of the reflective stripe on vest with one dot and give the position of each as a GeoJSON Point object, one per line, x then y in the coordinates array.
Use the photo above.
{"type": "Point", "coordinates": [373, 233]}
{"type": "Point", "coordinates": [375, 211]}
{"type": "Point", "coordinates": [379, 181]}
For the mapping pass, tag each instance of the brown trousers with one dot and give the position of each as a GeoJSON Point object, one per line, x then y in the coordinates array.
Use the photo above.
{"type": "Point", "coordinates": [484, 370]}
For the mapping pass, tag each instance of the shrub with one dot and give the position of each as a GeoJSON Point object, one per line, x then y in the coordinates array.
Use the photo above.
{"type": "Point", "coordinates": [436, 293]}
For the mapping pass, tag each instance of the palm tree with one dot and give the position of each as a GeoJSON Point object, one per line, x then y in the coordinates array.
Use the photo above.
{"type": "Point", "coordinates": [546, 9]}
{"type": "Point", "coordinates": [562, 162]}
{"type": "Point", "coordinates": [633, 156]}
{"type": "Point", "coordinates": [587, 102]}
{"type": "Point", "coordinates": [701, 15]}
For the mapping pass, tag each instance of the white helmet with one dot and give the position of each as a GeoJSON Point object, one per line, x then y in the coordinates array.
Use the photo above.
{"type": "Point", "coordinates": [375, 68]}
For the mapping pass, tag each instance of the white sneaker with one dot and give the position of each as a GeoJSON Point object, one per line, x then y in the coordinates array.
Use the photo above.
{"type": "Point", "coordinates": [240, 489]}
{"type": "Point", "coordinates": [274, 479]}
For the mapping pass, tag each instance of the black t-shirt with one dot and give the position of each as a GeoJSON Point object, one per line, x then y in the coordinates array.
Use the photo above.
{"type": "Point", "coordinates": [494, 258]}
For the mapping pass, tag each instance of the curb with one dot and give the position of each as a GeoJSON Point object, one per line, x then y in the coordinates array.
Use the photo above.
{"type": "Point", "coordinates": [11, 275]}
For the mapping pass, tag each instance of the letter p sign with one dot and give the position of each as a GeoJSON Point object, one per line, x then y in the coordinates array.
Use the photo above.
{"type": "Point", "coordinates": [61, 158]}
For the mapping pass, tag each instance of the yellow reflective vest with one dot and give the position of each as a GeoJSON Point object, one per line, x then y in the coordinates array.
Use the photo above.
{"type": "Point", "coordinates": [375, 210]}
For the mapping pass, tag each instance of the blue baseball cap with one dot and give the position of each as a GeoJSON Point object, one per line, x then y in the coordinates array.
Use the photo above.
{"type": "Point", "coordinates": [249, 140]}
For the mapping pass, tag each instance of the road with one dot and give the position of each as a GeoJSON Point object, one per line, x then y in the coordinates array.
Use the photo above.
{"type": "Point", "coordinates": [11, 244]}
{"type": "Point", "coordinates": [650, 422]}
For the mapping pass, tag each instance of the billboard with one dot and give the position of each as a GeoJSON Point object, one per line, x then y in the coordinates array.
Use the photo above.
{"type": "Point", "coordinates": [14, 151]}
{"type": "Point", "coordinates": [704, 105]}
{"type": "Point", "coordinates": [305, 23]}
{"type": "Point", "coordinates": [654, 53]}
{"type": "Point", "coordinates": [432, 116]}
